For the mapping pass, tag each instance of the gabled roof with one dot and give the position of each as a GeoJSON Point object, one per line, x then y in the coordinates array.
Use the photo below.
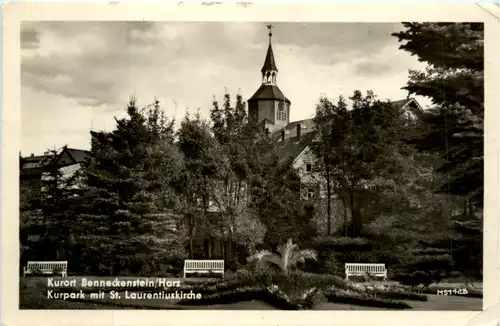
{"type": "Point", "coordinates": [79, 155]}
{"type": "Point", "coordinates": [400, 103]}
{"type": "Point", "coordinates": [293, 147]}
{"type": "Point", "coordinates": [411, 105]}
{"type": "Point", "coordinates": [269, 63]}
{"type": "Point", "coordinates": [269, 92]}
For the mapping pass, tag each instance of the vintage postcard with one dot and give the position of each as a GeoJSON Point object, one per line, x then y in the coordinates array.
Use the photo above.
{"type": "Point", "coordinates": [244, 160]}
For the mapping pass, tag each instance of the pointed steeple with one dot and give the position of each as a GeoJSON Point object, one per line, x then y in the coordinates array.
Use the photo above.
{"type": "Point", "coordinates": [269, 106]}
{"type": "Point", "coordinates": [269, 63]}
{"type": "Point", "coordinates": [269, 69]}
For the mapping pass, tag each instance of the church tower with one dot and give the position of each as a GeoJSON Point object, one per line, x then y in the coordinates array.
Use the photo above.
{"type": "Point", "coordinates": [268, 106]}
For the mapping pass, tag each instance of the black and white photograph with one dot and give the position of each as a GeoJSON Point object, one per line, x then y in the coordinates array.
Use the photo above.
{"type": "Point", "coordinates": [251, 165]}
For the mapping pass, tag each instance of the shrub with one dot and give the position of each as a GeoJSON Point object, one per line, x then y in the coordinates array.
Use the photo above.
{"type": "Point", "coordinates": [389, 292]}
{"type": "Point", "coordinates": [334, 252]}
{"type": "Point", "coordinates": [58, 271]}
{"type": "Point", "coordinates": [294, 281]}
{"type": "Point", "coordinates": [300, 290]}
{"type": "Point", "coordinates": [419, 277]}
{"type": "Point", "coordinates": [234, 265]}
{"type": "Point", "coordinates": [272, 294]}
{"type": "Point", "coordinates": [288, 257]}
{"type": "Point", "coordinates": [245, 293]}
{"type": "Point", "coordinates": [36, 271]}
{"type": "Point", "coordinates": [312, 299]}
{"type": "Point", "coordinates": [345, 244]}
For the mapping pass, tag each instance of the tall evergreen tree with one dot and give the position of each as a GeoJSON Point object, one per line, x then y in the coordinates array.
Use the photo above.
{"type": "Point", "coordinates": [51, 215]}
{"type": "Point", "coordinates": [130, 233]}
{"type": "Point", "coordinates": [454, 125]}
{"type": "Point", "coordinates": [454, 81]}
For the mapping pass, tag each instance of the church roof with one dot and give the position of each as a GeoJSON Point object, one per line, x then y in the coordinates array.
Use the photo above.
{"type": "Point", "coordinates": [269, 63]}
{"type": "Point", "coordinates": [269, 92]}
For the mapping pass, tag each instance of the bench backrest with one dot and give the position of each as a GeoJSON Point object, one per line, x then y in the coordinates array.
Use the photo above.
{"type": "Point", "coordinates": [204, 264]}
{"type": "Point", "coordinates": [47, 265]}
{"type": "Point", "coordinates": [370, 268]}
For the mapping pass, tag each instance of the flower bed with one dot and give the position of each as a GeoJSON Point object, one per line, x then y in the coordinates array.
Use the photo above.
{"type": "Point", "coordinates": [272, 296]}
{"type": "Point", "coordinates": [388, 292]}
{"type": "Point", "coordinates": [302, 291]}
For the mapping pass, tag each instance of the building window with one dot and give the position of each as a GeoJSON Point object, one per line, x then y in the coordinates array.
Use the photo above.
{"type": "Point", "coordinates": [308, 167]}
{"type": "Point", "coordinates": [31, 165]}
{"type": "Point", "coordinates": [281, 112]}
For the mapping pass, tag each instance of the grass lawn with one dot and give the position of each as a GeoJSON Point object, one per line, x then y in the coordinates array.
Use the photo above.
{"type": "Point", "coordinates": [33, 295]}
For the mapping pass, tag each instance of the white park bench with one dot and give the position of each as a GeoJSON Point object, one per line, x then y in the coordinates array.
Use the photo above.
{"type": "Point", "coordinates": [46, 267]}
{"type": "Point", "coordinates": [365, 269]}
{"type": "Point", "coordinates": [203, 266]}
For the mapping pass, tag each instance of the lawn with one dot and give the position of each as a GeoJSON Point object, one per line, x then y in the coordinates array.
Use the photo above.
{"type": "Point", "coordinates": [33, 295]}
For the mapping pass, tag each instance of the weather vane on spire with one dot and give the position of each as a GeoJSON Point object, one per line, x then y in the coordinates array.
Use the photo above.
{"type": "Point", "coordinates": [270, 27]}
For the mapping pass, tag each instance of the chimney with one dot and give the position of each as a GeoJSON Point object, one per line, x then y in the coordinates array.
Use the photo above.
{"type": "Point", "coordinates": [32, 155]}
{"type": "Point", "coordinates": [298, 131]}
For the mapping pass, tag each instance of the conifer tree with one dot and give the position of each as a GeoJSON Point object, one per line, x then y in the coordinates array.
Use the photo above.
{"type": "Point", "coordinates": [131, 231]}
{"type": "Point", "coordinates": [454, 126]}
{"type": "Point", "coordinates": [52, 214]}
{"type": "Point", "coordinates": [454, 81]}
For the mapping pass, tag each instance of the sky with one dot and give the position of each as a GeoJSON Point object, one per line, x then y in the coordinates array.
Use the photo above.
{"type": "Point", "coordinates": [78, 76]}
